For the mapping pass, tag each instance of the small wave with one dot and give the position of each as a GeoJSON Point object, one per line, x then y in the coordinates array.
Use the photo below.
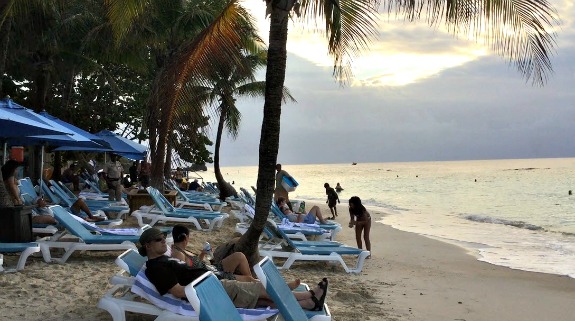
{"type": "Point", "coordinates": [493, 220]}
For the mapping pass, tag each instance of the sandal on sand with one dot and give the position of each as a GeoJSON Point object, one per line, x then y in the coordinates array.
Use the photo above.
{"type": "Point", "coordinates": [319, 303]}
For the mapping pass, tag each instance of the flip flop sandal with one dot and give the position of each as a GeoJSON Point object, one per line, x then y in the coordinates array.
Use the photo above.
{"type": "Point", "coordinates": [319, 302]}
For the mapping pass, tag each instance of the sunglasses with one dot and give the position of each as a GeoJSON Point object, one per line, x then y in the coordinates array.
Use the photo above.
{"type": "Point", "coordinates": [159, 239]}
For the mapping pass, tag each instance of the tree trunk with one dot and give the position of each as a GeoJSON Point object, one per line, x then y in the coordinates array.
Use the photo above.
{"type": "Point", "coordinates": [269, 139]}
{"type": "Point", "coordinates": [223, 186]}
{"type": "Point", "coordinates": [5, 32]}
{"type": "Point", "coordinates": [168, 161]}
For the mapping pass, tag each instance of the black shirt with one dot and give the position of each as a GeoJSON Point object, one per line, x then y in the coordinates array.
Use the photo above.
{"type": "Point", "coordinates": [165, 273]}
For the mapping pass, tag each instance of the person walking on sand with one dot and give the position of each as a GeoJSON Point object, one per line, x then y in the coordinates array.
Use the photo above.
{"type": "Point", "coordinates": [280, 191]}
{"type": "Point", "coordinates": [360, 218]}
{"type": "Point", "coordinates": [332, 198]}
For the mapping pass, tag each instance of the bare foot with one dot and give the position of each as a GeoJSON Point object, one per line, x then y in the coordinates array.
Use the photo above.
{"type": "Point", "coordinates": [294, 284]}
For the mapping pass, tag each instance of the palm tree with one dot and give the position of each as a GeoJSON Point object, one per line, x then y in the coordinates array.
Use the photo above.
{"type": "Point", "coordinates": [227, 83]}
{"type": "Point", "coordinates": [349, 26]}
{"type": "Point", "coordinates": [517, 29]}
{"type": "Point", "coordinates": [224, 26]}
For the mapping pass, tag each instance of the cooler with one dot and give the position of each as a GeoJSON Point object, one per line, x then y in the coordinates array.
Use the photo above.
{"type": "Point", "coordinates": [289, 183]}
{"type": "Point", "coordinates": [16, 224]}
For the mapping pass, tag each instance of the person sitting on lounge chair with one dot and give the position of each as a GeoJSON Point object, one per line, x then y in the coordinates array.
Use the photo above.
{"type": "Point", "coordinates": [170, 275]}
{"type": "Point", "coordinates": [79, 206]}
{"type": "Point", "coordinates": [308, 218]}
{"type": "Point", "coordinates": [226, 269]}
{"type": "Point", "coordinates": [41, 214]}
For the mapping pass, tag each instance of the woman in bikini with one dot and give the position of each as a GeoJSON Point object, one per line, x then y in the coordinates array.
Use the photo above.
{"type": "Point", "coordinates": [360, 218]}
{"type": "Point", "coordinates": [233, 267]}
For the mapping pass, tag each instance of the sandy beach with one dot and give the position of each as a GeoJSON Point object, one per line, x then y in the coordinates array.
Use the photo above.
{"type": "Point", "coordinates": [410, 277]}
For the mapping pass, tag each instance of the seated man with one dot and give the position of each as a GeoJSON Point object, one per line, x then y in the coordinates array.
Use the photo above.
{"type": "Point", "coordinates": [172, 275]}
{"type": "Point", "coordinates": [41, 214]}
{"type": "Point", "coordinates": [308, 218]}
{"type": "Point", "coordinates": [80, 205]}
{"type": "Point", "coordinates": [69, 176]}
{"type": "Point", "coordinates": [194, 186]}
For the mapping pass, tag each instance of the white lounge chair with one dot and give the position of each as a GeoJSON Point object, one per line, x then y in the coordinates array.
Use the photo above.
{"type": "Point", "coordinates": [315, 251]}
{"type": "Point", "coordinates": [280, 293]}
{"type": "Point", "coordinates": [82, 238]}
{"type": "Point", "coordinates": [132, 285]}
{"type": "Point", "coordinates": [165, 212]}
{"type": "Point", "coordinates": [25, 250]}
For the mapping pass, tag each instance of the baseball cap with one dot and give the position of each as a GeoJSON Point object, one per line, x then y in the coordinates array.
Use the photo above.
{"type": "Point", "coordinates": [148, 236]}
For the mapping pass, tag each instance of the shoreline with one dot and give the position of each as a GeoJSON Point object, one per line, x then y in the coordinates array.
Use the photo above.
{"type": "Point", "coordinates": [421, 278]}
{"type": "Point", "coordinates": [410, 277]}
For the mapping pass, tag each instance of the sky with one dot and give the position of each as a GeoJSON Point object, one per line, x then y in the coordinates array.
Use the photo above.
{"type": "Point", "coordinates": [418, 94]}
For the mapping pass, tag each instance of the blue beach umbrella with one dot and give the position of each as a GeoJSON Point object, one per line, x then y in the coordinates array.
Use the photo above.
{"type": "Point", "coordinates": [123, 146]}
{"type": "Point", "coordinates": [100, 146]}
{"type": "Point", "coordinates": [68, 139]}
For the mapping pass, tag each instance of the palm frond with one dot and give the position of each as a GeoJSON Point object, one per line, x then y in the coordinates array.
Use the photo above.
{"type": "Point", "coordinates": [521, 30]}
{"type": "Point", "coordinates": [350, 25]}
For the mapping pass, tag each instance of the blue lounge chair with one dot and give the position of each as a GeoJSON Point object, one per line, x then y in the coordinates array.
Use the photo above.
{"type": "Point", "coordinates": [280, 293]}
{"type": "Point", "coordinates": [118, 300]}
{"type": "Point", "coordinates": [197, 198]}
{"type": "Point", "coordinates": [25, 250]}
{"type": "Point", "coordinates": [83, 239]}
{"type": "Point", "coordinates": [311, 251]}
{"type": "Point", "coordinates": [69, 198]}
{"type": "Point", "coordinates": [210, 300]}
{"type": "Point", "coordinates": [67, 202]}
{"type": "Point", "coordinates": [164, 211]}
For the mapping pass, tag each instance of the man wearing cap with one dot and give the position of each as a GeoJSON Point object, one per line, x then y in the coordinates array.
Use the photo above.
{"type": "Point", "coordinates": [171, 275]}
{"type": "Point", "coordinates": [114, 173]}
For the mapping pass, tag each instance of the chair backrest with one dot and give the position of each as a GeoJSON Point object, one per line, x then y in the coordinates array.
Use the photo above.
{"type": "Point", "coordinates": [53, 198]}
{"type": "Point", "coordinates": [65, 189]}
{"type": "Point", "coordinates": [210, 300]}
{"type": "Point", "coordinates": [278, 290]}
{"type": "Point", "coordinates": [160, 200]}
{"type": "Point", "coordinates": [26, 187]}
{"type": "Point", "coordinates": [61, 192]}
{"type": "Point", "coordinates": [92, 185]}
{"type": "Point", "coordinates": [131, 261]}
{"type": "Point", "coordinates": [65, 218]}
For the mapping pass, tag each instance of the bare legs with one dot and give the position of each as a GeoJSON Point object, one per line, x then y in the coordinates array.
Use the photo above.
{"type": "Point", "coordinates": [317, 213]}
{"type": "Point", "coordinates": [364, 226]}
{"type": "Point", "coordinates": [81, 205]}
{"type": "Point", "coordinates": [237, 262]}
{"type": "Point", "coordinates": [303, 298]}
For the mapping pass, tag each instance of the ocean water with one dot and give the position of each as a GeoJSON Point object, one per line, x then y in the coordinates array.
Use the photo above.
{"type": "Point", "coordinates": [514, 213]}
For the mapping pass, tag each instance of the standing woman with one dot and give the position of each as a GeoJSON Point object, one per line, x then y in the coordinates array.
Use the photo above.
{"type": "Point", "coordinates": [362, 221]}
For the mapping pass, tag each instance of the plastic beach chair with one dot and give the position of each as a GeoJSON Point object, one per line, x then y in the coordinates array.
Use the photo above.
{"type": "Point", "coordinates": [25, 250]}
{"type": "Point", "coordinates": [280, 293]}
{"type": "Point", "coordinates": [133, 292]}
{"type": "Point", "coordinates": [310, 251]}
{"type": "Point", "coordinates": [164, 211]}
{"type": "Point", "coordinates": [210, 300]}
{"type": "Point", "coordinates": [83, 239]}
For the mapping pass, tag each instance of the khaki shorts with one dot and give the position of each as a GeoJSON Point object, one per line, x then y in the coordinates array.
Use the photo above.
{"type": "Point", "coordinates": [243, 294]}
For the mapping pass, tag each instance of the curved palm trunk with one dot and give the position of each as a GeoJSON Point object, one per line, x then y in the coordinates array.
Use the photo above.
{"type": "Point", "coordinates": [5, 40]}
{"type": "Point", "coordinates": [269, 139]}
{"type": "Point", "coordinates": [223, 186]}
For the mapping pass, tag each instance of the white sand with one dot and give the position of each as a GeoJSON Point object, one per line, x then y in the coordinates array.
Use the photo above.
{"type": "Point", "coordinates": [410, 277]}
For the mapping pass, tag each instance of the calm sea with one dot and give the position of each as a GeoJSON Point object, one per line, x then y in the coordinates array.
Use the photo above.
{"type": "Point", "coordinates": [513, 213]}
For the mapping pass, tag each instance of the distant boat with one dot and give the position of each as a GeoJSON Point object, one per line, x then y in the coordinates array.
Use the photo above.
{"type": "Point", "coordinates": [353, 163]}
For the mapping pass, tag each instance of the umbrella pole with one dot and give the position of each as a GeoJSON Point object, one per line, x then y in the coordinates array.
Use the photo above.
{"type": "Point", "coordinates": [41, 170]}
{"type": "Point", "coordinates": [5, 152]}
